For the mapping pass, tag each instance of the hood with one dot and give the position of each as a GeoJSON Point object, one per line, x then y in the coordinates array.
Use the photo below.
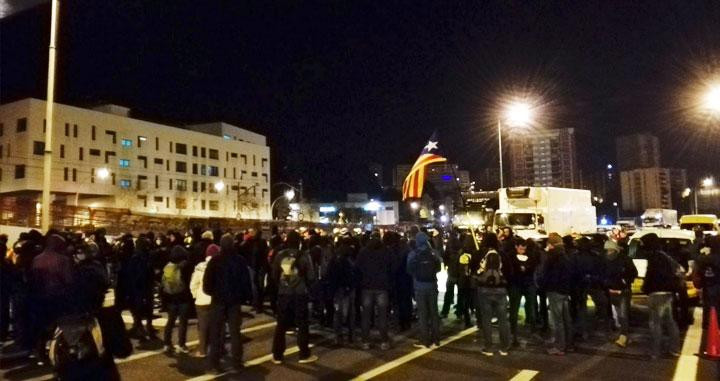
{"type": "Point", "coordinates": [178, 254]}
{"type": "Point", "coordinates": [55, 243]}
{"type": "Point", "coordinates": [422, 240]}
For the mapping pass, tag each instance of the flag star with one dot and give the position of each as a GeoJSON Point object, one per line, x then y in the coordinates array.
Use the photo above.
{"type": "Point", "coordinates": [431, 145]}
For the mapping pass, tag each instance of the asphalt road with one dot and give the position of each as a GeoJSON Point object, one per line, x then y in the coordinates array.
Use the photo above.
{"type": "Point", "coordinates": [458, 358]}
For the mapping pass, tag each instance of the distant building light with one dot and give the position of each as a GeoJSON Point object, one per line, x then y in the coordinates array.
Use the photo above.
{"type": "Point", "coordinates": [328, 209]}
{"type": "Point", "coordinates": [126, 143]}
{"type": "Point", "coordinates": [372, 206]}
{"type": "Point", "coordinates": [603, 221]}
{"type": "Point", "coordinates": [609, 166]}
{"type": "Point", "coordinates": [447, 178]}
{"type": "Point", "coordinates": [227, 137]}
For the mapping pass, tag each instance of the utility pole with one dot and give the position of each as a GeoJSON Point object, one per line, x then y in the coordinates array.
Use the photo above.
{"type": "Point", "coordinates": [47, 158]}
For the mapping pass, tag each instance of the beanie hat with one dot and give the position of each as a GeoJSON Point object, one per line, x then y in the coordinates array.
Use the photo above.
{"type": "Point", "coordinates": [611, 245]}
{"type": "Point", "coordinates": [212, 250]}
{"type": "Point", "coordinates": [207, 234]}
{"type": "Point", "coordinates": [554, 239]}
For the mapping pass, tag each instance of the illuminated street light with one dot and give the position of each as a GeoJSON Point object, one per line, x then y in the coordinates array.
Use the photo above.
{"type": "Point", "coordinates": [290, 194]}
{"type": "Point", "coordinates": [219, 186]}
{"type": "Point", "coordinates": [442, 208]}
{"type": "Point", "coordinates": [708, 182]}
{"type": "Point", "coordinates": [686, 192]}
{"type": "Point", "coordinates": [711, 99]}
{"type": "Point", "coordinates": [517, 113]}
{"type": "Point", "coordinates": [414, 205]}
{"type": "Point", "coordinates": [103, 173]}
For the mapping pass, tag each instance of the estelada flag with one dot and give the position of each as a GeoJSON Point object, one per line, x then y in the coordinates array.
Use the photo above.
{"type": "Point", "coordinates": [413, 184]}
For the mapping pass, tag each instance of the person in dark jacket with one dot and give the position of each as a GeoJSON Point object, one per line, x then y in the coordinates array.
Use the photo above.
{"type": "Point", "coordinates": [423, 264]}
{"type": "Point", "coordinates": [227, 282]}
{"type": "Point", "coordinates": [492, 276]}
{"type": "Point", "coordinates": [450, 260]}
{"type": "Point", "coordinates": [521, 284]}
{"type": "Point", "coordinates": [588, 270]}
{"type": "Point", "coordinates": [8, 279]}
{"type": "Point", "coordinates": [660, 284]}
{"type": "Point", "coordinates": [140, 282]}
{"type": "Point", "coordinates": [343, 279]}
{"type": "Point", "coordinates": [466, 289]}
{"type": "Point", "coordinates": [681, 310]}
{"type": "Point", "coordinates": [293, 272]}
{"type": "Point", "coordinates": [375, 265]}
{"type": "Point", "coordinates": [402, 283]}
{"type": "Point", "coordinates": [176, 291]}
{"type": "Point", "coordinates": [707, 277]}
{"type": "Point", "coordinates": [620, 272]}
{"type": "Point", "coordinates": [555, 279]}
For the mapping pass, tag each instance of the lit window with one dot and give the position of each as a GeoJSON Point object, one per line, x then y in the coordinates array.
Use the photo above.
{"type": "Point", "coordinates": [124, 163]}
{"type": "Point", "coordinates": [126, 143]}
{"type": "Point", "coordinates": [227, 137]}
{"type": "Point", "coordinates": [125, 184]}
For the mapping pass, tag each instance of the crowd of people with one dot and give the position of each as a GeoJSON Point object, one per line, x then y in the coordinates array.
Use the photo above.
{"type": "Point", "coordinates": [353, 285]}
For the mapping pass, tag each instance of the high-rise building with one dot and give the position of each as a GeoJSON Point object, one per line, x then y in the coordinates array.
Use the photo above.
{"type": "Point", "coordinates": [488, 179]}
{"type": "Point", "coordinates": [544, 158]}
{"type": "Point", "coordinates": [645, 188]}
{"type": "Point", "coordinates": [637, 151]}
{"type": "Point", "coordinates": [104, 159]}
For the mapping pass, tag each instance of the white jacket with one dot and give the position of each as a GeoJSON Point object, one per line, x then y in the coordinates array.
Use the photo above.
{"type": "Point", "coordinates": [196, 284]}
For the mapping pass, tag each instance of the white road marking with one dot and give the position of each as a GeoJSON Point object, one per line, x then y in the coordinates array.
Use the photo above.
{"type": "Point", "coordinates": [411, 356]}
{"type": "Point", "coordinates": [247, 364]}
{"type": "Point", "coordinates": [525, 375]}
{"type": "Point", "coordinates": [686, 368]}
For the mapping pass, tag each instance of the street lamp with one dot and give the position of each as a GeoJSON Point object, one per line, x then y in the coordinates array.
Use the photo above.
{"type": "Point", "coordinates": [517, 113]}
{"type": "Point", "coordinates": [103, 173]}
{"type": "Point", "coordinates": [708, 182]}
{"type": "Point", "coordinates": [289, 195]}
{"type": "Point", "coordinates": [219, 186]}
{"type": "Point", "coordinates": [414, 205]}
{"type": "Point", "coordinates": [711, 99]}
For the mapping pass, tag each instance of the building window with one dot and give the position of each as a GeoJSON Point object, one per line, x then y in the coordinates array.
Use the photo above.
{"type": "Point", "coordinates": [107, 156]}
{"type": "Point", "coordinates": [125, 183]}
{"type": "Point", "coordinates": [141, 140]}
{"type": "Point", "coordinates": [227, 137]}
{"type": "Point", "coordinates": [233, 155]}
{"type": "Point", "coordinates": [144, 200]}
{"type": "Point", "coordinates": [171, 146]}
{"type": "Point", "coordinates": [195, 186]}
{"type": "Point", "coordinates": [263, 162]}
{"type": "Point", "coordinates": [1, 151]}
{"type": "Point", "coordinates": [62, 151]}
{"type": "Point", "coordinates": [254, 163]}
{"type": "Point", "coordinates": [21, 125]}
{"type": "Point", "coordinates": [158, 199]}
{"type": "Point", "coordinates": [92, 132]}
{"type": "Point", "coordinates": [113, 134]}
{"type": "Point", "coordinates": [167, 165]}
{"type": "Point", "coordinates": [144, 160]}
{"type": "Point", "coordinates": [214, 205]}
{"type": "Point", "coordinates": [65, 173]}
{"type": "Point", "coordinates": [67, 129]}
{"type": "Point", "coordinates": [203, 169]}
{"type": "Point", "coordinates": [112, 175]}
{"type": "Point", "coordinates": [157, 181]}
{"type": "Point", "coordinates": [81, 155]}
{"type": "Point", "coordinates": [75, 129]}
{"type": "Point", "coordinates": [180, 148]}
{"type": "Point", "coordinates": [225, 173]}
{"type": "Point", "coordinates": [234, 173]}
{"type": "Point", "coordinates": [211, 188]}
{"type": "Point", "coordinates": [202, 186]}
{"type": "Point", "coordinates": [2, 129]}
{"type": "Point", "coordinates": [265, 176]}
{"type": "Point", "coordinates": [180, 166]}
{"type": "Point", "coordinates": [227, 156]}
{"type": "Point", "coordinates": [94, 152]}
{"type": "Point", "coordinates": [74, 175]}
{"type": "Point", "coordinates": [180, 203]}
{"type": "Point", "coordinates": [20, 171]}
{"type": "Point", "coordinates": [214, 171]}
{"type": "Point", "coordinates": [126, 143]}
{"type": "Point", "coordinates": [92, 175]}
{"type": "Point", "coordinates": [202, 204]}
{"type": "Point", "coordinates": [202, 151]}
{"type": "Point", "coordinates": [157, 144]}
{"type": "Point", "coordinates": [181, 185]}
{"type": "Point", "coordinates": [194, 169]}
{"type": "Point", "coordinates": [213, 154]}
{"type": "Point", "coordinates": [170, 184]}
{"type": "Point", "coordinates": [158, 161]}
{"type": "Point", "coordinates": [38, 148]}
{"type": "Point", "coordinates": [124, 163]}
{"type": "Point", "coordinates": [194, 151]}
{"type": "Point", "coordinates": [254, 174]}
{"type": "Point", "coordinates": [244, 158]}
{"type": "Point", "coordinates": [167, 202]}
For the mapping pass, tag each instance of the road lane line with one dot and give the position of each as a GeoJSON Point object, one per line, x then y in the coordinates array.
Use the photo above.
{"type": "Point", "coordinates": [247, 364]}
{"type": "Point", "coordinates": [525, 375]}
{"type": "Point", "coordinates": [411, 356]}
{"type": "Point", "coordinates": [686, 368]}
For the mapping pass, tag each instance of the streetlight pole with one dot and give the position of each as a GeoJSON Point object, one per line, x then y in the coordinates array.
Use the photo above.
{"type": "Point", "coordinates": [500, 153]}
{"type": "Point", "coordinates": [47, 157]}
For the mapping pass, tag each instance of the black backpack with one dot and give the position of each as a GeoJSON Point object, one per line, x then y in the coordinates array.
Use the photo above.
{"type": "Point", "coordinates": [77, 340]}
{"type": "Point", "coordinates": [426, 267]}
{"type": "Point", "coordinates": [490, 273]}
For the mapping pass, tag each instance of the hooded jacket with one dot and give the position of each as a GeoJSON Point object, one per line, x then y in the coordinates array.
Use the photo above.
{"type": "Point", "coordinates": [227, 278]}
{"type": "Point", "coordinates": [51, 273]}
{"type": "Point", "coordinates": [375, 264]}
{"type": "Point", "coordinates": [422, 245]}
{"type": "Point", "coordinates": [555, 275]}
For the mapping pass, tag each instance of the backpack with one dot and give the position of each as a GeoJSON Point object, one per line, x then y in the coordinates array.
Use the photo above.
{"type": "Point", "coordinates": [290, 276]}
{"type": "Point", "coordinates": [77, 339]}
{"type": "Point", "coordinates": [172, 282]}
{"type": "Point", "coordinates": [490, 271]}
{"type": "Point", "coordinates": [426, 267]}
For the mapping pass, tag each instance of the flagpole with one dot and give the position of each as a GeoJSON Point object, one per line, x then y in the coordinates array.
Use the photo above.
{"type": "Point", "coordinates": [500, 153]}
{"type": "Point", "coordinates": [47, 158]}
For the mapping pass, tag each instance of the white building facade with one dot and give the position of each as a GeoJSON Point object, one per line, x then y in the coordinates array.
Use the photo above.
{"type": "Point", "coordinates": [103, 158]}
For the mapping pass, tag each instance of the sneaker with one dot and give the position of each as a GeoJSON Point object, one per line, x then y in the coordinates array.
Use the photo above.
{"type": "Point", "coordinates": [487, 353]}
{"type": "Point", "coordinates": [503, 353]}
{"type": "Point", "coordinates": [183, 349]}
{"type": "Point", "coordinates": [555, 352]}
{"type": "Point", "coordinates": [384, 346]}
{"type": "Point", "coordinates": [276, 361]}
{"type": "Point", "coordinates": [622, 341]}
{"type": "Point", "coordinates": [308, 360]}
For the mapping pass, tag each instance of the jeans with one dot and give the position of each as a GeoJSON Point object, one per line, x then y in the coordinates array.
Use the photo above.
{"type": "Point", "coordinates": [683, 315]}
{"type": "Point", "coordinates": [449, 295]}
{"type": "Point", "coordinates": [559, 319]}
{"type": "Point", "coordinates": [143, 310]}
{"type": "Point", "coordinates": [344, 303]}
{"type": "Point", "coordinates": [516, 293]}
{"type": "Point", "coordinates": [582, 318]}
{"type": "Point", "coordinates": [176, 310]}
{"type": "Point", "coordinates": [370, 300]}
{"type": "Point", "coordinates": [661, 315]}
{"type": "Point", "coordinates": [493, 303]}
{"type": "Point", "coordinates": [259, 288]}
{"type": "Point", "coordinates": [219, 314]}
{"type": "Point", "coordinates": [621, 302]}
{"type": "Point", "coordinates": [204, 314]}
{"type": "Point", "coordinates": [428, 316]}
{"type": "Point", "coordinates": [465, 303]}
{"type": "Point", "coordinates": [292, 309]}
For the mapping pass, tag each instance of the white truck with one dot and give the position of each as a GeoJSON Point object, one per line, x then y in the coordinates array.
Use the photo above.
{"type": "Point", "coordinates": [659, 218]}
{"type": "Point", "coordinates": [533, 212]}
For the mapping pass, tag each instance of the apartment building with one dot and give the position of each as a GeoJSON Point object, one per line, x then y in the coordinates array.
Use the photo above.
{"type": "Point", "coordinates": [544, 158]}
{"type": "Point", "coordinates": [103, 158]}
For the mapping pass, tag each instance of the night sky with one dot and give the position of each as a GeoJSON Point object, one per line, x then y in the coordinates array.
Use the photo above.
{"type": "Point", "coordinates": [336, 85]}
